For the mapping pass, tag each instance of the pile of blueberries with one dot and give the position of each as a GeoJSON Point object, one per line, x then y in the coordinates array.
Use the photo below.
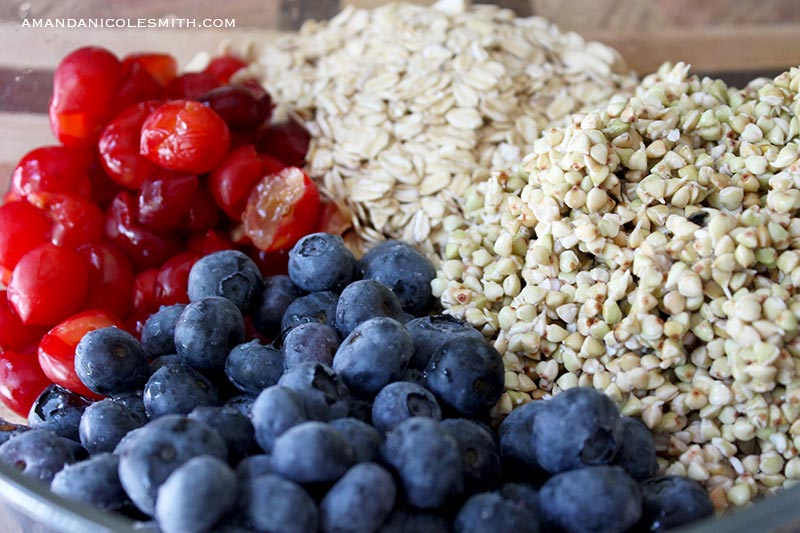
{"type": "Point", "coordinates": [362, 414]}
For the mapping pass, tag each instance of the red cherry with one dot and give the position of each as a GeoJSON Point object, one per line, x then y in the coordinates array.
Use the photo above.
{"type": "Point", "coordinates": [204, 213]}
{"type": "Point", "coordinates": [136, 85]}
{"type": "Point", "coordinates": [76, 219]}
{"type": "Point", "coordinates": [288, 141]}
{"type": "Point", "coordinates": [209, 242]}
{"type": "Point", "coordinates": [14, 335]}
{"type": "Point", "coordinates": [165, 200]}
{"type": "Point", "coordinates": [23, 227]}
{"type": "Point", "coordinates": [162, 67]}
{"type": "Point", "coordinates": [143, 295]}
{"type": "Point", "coordinates": [21, 380]}
{"type": "Point", "coordinates": [223, 67]}
{"type": "Point", "coordinates": [172, 280]}
{"type": "Point", "coordinates": [242, 106]}
{"type": "Point", "coordinates": [230, 183]}
{"type": "Point", "coordinates": [119, 147]}
{"type": "Point", "coordinates": [110, 278]}
{"type": "Point", "coordinates": [52, 169]}
{"type": "Point", "coordinates": [191, 85]}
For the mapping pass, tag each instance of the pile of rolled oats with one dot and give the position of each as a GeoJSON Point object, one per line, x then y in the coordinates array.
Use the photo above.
{"type": "Point", "coordinates": [409, 105]}
{"type": "Point", "coordinates": [651, 249]}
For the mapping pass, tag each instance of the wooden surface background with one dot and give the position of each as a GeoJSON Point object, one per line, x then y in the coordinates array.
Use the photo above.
{"type": "Point", "coordinates": [732, 39]}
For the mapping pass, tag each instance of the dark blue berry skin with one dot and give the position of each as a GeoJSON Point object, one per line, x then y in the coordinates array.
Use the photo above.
{"type": "Point", "coordinates": [252, 366]}
{"type": "Point", "coordinates": [104, 424]}
{"type": "Point", "coordinates": [148, 455]}
{"type": "Point", "coordinates": [400, 401]}
{"type": "Point", "coordinates": [516, 443]}
{"type": "Point", "coordinates": [672, 501]}
{"type": "Point", "coordinates": [361, 409]}
{"type": "Point", "coordinates": [8, 430]}
{"type": "Point", "coordinates": [207, 331]}
{"type": "Point", "coordinates": [597, 499]}
{"type": "Point", "coordinates": [487, 512]}
{"type": "Point", "coordinates": [637, 454]}
{"type": "Point", "coordinates": [196, 495]}
{"type": "Point", "coordinates": [427, 461]}
{"type": "Point", "coordinates": [314, 307]}
{"type": "Point", "coordinates": [375, 354]}
{"type": "Point", "coordinates": [242, 403]}
{"type": "Point", "coordinates": [279, 292]}
{"type": "Point", "coordinates": [312, 342]}
{"type": "Point", "coordinates": [177, 389]}
{"type": "Point", "coordinates": [579, 427]}
{"type": "Point", "coordinates": [360, 501]}
{"type": "Point", "coordinates": [234, 427]}
{"type": "Point", "coordinates": [321, 262]}
{"type": "Point", "coordinates": [323, 394]}
{"type": "Point", "coordinates": [431, 332]}
{"type": "Point", "coordinates": [365, 299]}
{"type": "Point", "coordinates": [404, 270]}
{"type": "Point", "coordinates": [271, 503]}
{"type": "Point", "coordinates": [37, 453]}
{"type": "Point", "coordinates": [276, 410]}
{"type": "Point", "coordinates": [479, 452]}
{"type": "Point", "coordinates": [412, 375]}
{"type": "Point", "coordinates": [133, 401]}
{"type": "Point", "coordinates": [467, 375]}
{"type": "Point", "coordinates": [58, 410]}
{"type": "Point", "coordinates": [411, 521]}
{"type": "Point", "coordinates": [312, 452]}
{"type": "Point", "coordinates": [158, 362]}
{"type": "Point", "coordinates": [254, 466]}
{"type": "Point", "coordinates": [94, 481]}
{"type": "Point", "coordinates": [158, 332]}
{"type": "Point", "coordinates": [365, 439]}
{"type": "Point", "coordinates": [228, 274]}
{"type": "Point", "coordinates": [110, 361]}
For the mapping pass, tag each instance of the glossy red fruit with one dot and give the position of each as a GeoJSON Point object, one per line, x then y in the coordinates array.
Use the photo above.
{"type": "Point", "coordinates": [143, 247]}
{"type": "Point", "coordinates": [52, 169]}
{"type": "Point", "coordinates": [162, 67]}
{"type": "Point", "coordinates": [57, 348]}
{"type": "Point", "coordinates": [136, 85]}
{"type": "Point", "coordinates": [165, 199]}
{"type": "Point", "coordinates": [281, 209]}
{"type": "Point", "coordinates": [184, 136]}
{"type": "Point", "coordinates": [143, 294]}
{"type": "Point", "coordinates": [84, 87]}
{"type": "Point", "coordinates": [14, 335]}
{"type": "Point", "coordinates": [191, 85]}
{"type": "Point", "coordinates": [48, 284]}
{"type": "Point", "coordinates": [23, 227]}
{"type": "Point", "coordinates": [204, 213]}
{"type": "Point", "coordinates": [21, 380]}
{"type": "Point", "coordinates": [242, 106]}
{"type": "Point", "coordinates": [270, 263]}
{"type": "Point", "coordinates": [172, 280]}
{"type": "Point", "coordinates": [119, 147]}
{"type": "Point", "coordinates": [110, 278]}
{"type": "Point", "coordinates": [104, 189]}
{"type": "Point", "coordinates": [76, 220]}
{"type": "Point", "coordinates": [208, 242]}
{"type": "Point", "coordinates": [223, 67]}
{"type": "Point", "coordinates": [334, 217]}
{"type": "Point", "coordinates": [231, 182]}
{"type": "Point", "coordinates": [288, 141]}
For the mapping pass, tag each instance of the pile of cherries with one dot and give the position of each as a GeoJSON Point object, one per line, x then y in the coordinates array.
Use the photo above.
{"type": "Point", "coordinates": [153, 171]}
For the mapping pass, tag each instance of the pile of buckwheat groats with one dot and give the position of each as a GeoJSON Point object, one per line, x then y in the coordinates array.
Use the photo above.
{"type": "Point", "coordinates": [409, 105]}
{"type": "Point", "coordinates": [651, 249]}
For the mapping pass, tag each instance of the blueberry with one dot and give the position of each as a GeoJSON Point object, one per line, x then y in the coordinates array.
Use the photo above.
{"type": "Point", "coordinates": [133, 401]}
{"type": "Point", "coordinates": [323, 394]}
{"type": "Point", "coordinates": [254, 466]}
{"type": "Point", "coordinates": [597, 499]}
{"type": "Point", "coordinates": [412, 521]}
{"type": "Point", "coordinates": [321, 262]}
{"type": "Point", "coordinates": [479, 453]}
{"type": "Point", "coordinates": [274, 411]}
{"type": "Point", "coordinates": [487, 512]}
{"type": "Point", "coordinates": [362, 300]}
{"type": "Point", "coordinates": [158, 362]}
{"type": "Point", "coordinates": [365, 439]}
{"type": "Point", "coordinates": [177, 389]}
{"type": "Point", "coordinates": [313, 342]}
{"type": "Point", "coordinates": [579, 427]}
{"type": "Point", "coordinates": [94, 481]}
{"type": "Point", "coordinates": [375, 354]}
{"type": "Point", "coordinates": [400, 401]}
{"type": "Point", "coordinates": [110, 361]}
{"type": "Point", "coordinates": [672, 501]}
{"type": "Point", "coordinates": [234, 427]}
{"type": "Point", "coordinates": [360, 501]}
{"type": "Point", "coordinates": [427, 461]}
{"type": "Point", "coordinates": [37, 453]}
{"type": "Point", "coordinates": [252, 366]}
{"type": "Point", "coordinates": [279, 292]}
{"type": "Point", "coordinates": [314, 307]}
{"type": "Point", "coordinates": [412, 375]}
{"type": "Point", "coordinates": [196, 495]}
{"type": "Point", "coordinates": [104, 423]}
{"type": "Point", "coordinates": [8, 430]}
{"type": "Point", "coordinates": [431, 332]}
{"type": "Point", "coordinates": [312, 452]}
{"type": "Point", "coordinates": [516, 442]}
{"type": "Point", "coordinates": [158, 333]}
{"type": "Point", "coordinates": [637, 454]}
{"type": "Point", "coordinates": [467, 375]}
{"type": "Point", "coordinates": [361, 409]}
{"type": "Point", "coordinates": [206, 332]}
{"type": "Point", "coordinates": [270, 503]}
{"type": "Point", "coordinates": [242, 403]}
{"type": "Point", "coordinates": [58, 410]}
{"type": "Point", "coordinates": [148, 455]}
{"type": "Point", "coordinates": [228, 274]}
{"type": "Point", "coordinates": [404, 270]}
